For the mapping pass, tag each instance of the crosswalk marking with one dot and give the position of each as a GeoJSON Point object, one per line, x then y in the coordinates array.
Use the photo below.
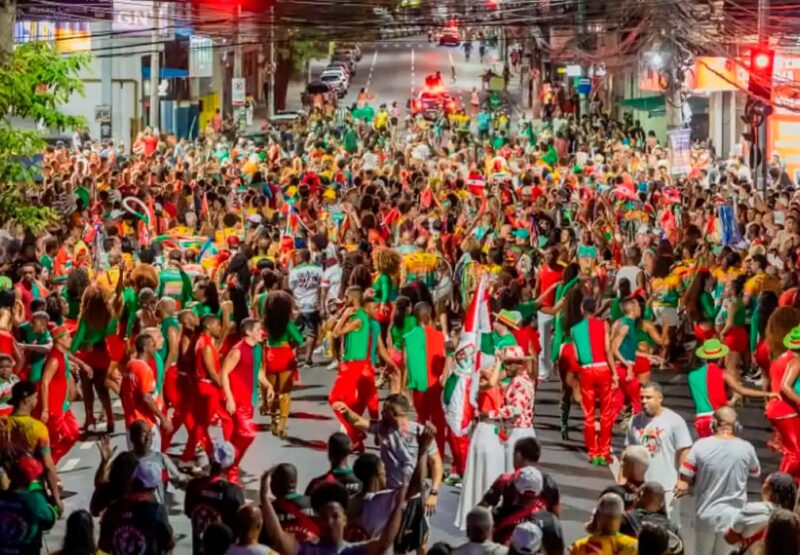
{"type": "Point", "coordinates": [84, 445]}
{"type": "Point", "coordinates": [69, 464]}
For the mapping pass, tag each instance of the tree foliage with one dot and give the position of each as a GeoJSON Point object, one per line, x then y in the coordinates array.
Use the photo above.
{"type": "Point", "coordinates": [34, 81]}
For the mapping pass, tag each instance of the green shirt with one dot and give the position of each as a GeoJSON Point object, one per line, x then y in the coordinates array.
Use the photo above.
{"type": "Point", "coordinates": [86, 336]}
{"type": "Point", "coordinates": [291, 335]}
{"type": "Point", "coordinates": [36, 359]}
{"type": "Point", "coordinates": [166, 324]}
{"type": "Point", "coordinates": [397, 333]}
{"type": "Point", "coordinates": [356, 343]}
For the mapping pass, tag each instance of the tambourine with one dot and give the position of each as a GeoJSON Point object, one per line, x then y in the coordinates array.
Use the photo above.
{"type": "Point", "coordinates": [128, 204]}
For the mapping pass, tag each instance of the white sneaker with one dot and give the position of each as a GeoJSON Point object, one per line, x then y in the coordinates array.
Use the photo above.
{"type": "Point", "coordinates": [333, 366]}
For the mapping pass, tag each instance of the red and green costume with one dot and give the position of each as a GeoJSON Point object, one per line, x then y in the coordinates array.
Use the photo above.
{"type": "Point", "coordinates": [169, 385]}
{"type": "Point", "coordinates": [784, 417]}
{"type": "Point", "coordinates": [355, 383]}
{"type": "Point", "coordinates": [425, 357]}
{"type": "Point", "coordinates": [628, 388]}
{"type": "Point", "coordinates": [61, 424]}
{"type": "Point", "coordinates": [589, 338]}
{"type": "Point", "coordinates": [244, 381]}
{"type": "Point", "coordinates": [707, 386]}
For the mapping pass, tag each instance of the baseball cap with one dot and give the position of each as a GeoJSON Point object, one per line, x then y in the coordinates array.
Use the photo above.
{"type": "Point", "coordinates": [223, 453]}
{"type": "Point", "coordinates": [526, 538]}
{"type": "Point", "coordinates": [148, 474]}
{"type": "Point", "coordinates": [529, 480]}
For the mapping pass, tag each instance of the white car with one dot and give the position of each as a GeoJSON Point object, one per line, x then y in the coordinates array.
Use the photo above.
{"type": "Point", "coordinates": [337, 79]}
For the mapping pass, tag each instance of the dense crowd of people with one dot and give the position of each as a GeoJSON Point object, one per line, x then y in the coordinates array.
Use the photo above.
{"type": "Point", "coordinates": [456, 264]}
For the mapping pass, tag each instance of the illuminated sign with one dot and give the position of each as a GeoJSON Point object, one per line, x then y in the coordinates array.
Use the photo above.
{"type": "Point", "coordinates": [784, 124]}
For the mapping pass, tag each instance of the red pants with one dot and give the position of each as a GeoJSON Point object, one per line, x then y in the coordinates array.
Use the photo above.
{"type": "Point", "coordinates": [628, 389]}
{"type": "Point", "coordinates": [244, 432]}
{"type": "Point", "coordinates": [789, 432]}
{"type": "Point", "coordinates": [702, 425]}
{"type": "Point", "coordinates": [183, 405]}
{"type": "Point", "coordinates": [595, 384]}
{"type": "Point", "coordinates": [429, 408]}
{"type": "Point", "coordinates": [459, 447]}
{"type": "Point", "coordinates": [64, 432]}
{"type": "Point", "coordinates": [207, 405]}
{"type": "Point", "coordinates": [355, 387]}
{"type": "Point", "coordinates": [171, 388]}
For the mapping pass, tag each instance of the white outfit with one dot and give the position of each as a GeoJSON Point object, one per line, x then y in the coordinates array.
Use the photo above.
{"type": "Point", "coordinates": [545, 324]}
{"type": "Point", "coordinates": [485, 463]}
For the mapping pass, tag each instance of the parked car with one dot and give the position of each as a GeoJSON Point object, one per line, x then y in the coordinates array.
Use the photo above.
{"type": "Point", "coordinates": [354, 47]}
{"type": "Point", "coordinates": [337, 79]}
{"type": "Point", "coordinates": [347, 58]}
{"type": "Point", "coordinates": [342, 65]}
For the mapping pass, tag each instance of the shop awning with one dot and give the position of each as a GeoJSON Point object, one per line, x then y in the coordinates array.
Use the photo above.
{"type": "Point", "coordinates": [645, 103]}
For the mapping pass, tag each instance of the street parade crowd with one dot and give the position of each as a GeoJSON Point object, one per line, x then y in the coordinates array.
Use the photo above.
{"type": "Point", "coordinates": [443, 270]}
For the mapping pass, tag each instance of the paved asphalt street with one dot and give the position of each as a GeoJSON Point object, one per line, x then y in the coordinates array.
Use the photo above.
{"type": "Point", "coordinates": [394, 70]}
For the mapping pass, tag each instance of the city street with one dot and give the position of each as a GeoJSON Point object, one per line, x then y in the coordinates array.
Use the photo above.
{"type": "Point", "coordinates": [312, 422]}
{"type": "Point", "coordinates": [395, 70]}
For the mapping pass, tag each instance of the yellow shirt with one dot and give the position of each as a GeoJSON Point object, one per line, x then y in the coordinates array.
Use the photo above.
{"type": "Point", "coordinates": [618, 544]}
{"type": "Point", "coordinates": [25, 433]}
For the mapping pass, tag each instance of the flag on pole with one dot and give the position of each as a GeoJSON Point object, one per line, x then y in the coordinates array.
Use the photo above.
{"type": "Point", "coordinates": [475, 351]}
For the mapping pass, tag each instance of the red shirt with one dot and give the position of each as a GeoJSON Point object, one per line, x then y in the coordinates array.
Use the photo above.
{"type": "Point", "coordinates": [547, 277]}
{"type": "Point", "coordinates": [204, 341]}
{"type": "Point", "coordinates": [528, 339]}
{"type": "Point", "coordinates": [138, 380]}
{"type": "Point", "coordinates": [150, 144]}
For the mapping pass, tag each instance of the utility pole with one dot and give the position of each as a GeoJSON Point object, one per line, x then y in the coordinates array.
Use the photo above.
{"type": "Point", "coordinates": [106, 76]}
{"type": "Point", "coordinates": [155, 68]}
{"type": "Point", "coordinates": [237, 64]}
{"type": "Point", "coordinates": [582, 30]}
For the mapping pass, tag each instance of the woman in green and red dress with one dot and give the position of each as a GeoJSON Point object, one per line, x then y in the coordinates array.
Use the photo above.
{"type": "Point", "coordinates": [403, 321]}
{"type": "Point", "coordinates": [734, 331]}
{"type": "Point", "coordinates": [97, 344]}
{"type": "Point", "coordinates": [387, 283]}
{"type": "Point", "coordinates": [280, 361]}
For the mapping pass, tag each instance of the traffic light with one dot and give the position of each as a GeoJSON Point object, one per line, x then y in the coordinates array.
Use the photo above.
{"type": "Point", "coordinates": [762, 61]}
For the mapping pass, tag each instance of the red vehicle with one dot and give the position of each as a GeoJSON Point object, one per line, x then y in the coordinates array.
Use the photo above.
{"type": "Point", "coordinates": [433, 102]}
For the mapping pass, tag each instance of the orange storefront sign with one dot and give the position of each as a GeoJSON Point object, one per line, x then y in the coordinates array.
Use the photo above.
{"type": "Point", "coordinates": [784, 125]}
{"type": "Point", "coordinates": [716, 74]}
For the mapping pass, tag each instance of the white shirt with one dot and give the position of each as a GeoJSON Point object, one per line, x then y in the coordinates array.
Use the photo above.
{"type": "Point", "coordinates": [304, 282]}
{"type": "Point", "coordinates": [664, 436]}
{"type": "Point", "coordinates": [720, 468]}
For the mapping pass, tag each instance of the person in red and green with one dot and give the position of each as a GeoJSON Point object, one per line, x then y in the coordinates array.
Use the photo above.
{"type": "Point", "coordinates": [171, 334]}
{"type": "Point", "coordinates": [425, 359]}
{"type": "Point", "coordinates": [707, 385]}
{"type": "Point", "coordinates": [283, 337]}
{"type": "Point", "coordinates": [734, 332]}
{"type": "Point", "coordinates": [242, 371]}
{"type": "Point", "coordinates": [597, 380]}
{"type": "Point", "coordinates": [386, 285]}
{"type": "Point", "coordinates": [505, 322]}
{"type": "Point", "coordinates": [56, 388]}
{"type": "Point", "coordinates": [624, 345]}
{"type": "Point", "coordinates": [29, 288]}
{"type": "Point", "coordinates": [354, 325]}
{"type": "Point", "coordinates": [36, 342]}
{"type": "Point", "coordinates": [783, 410]}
